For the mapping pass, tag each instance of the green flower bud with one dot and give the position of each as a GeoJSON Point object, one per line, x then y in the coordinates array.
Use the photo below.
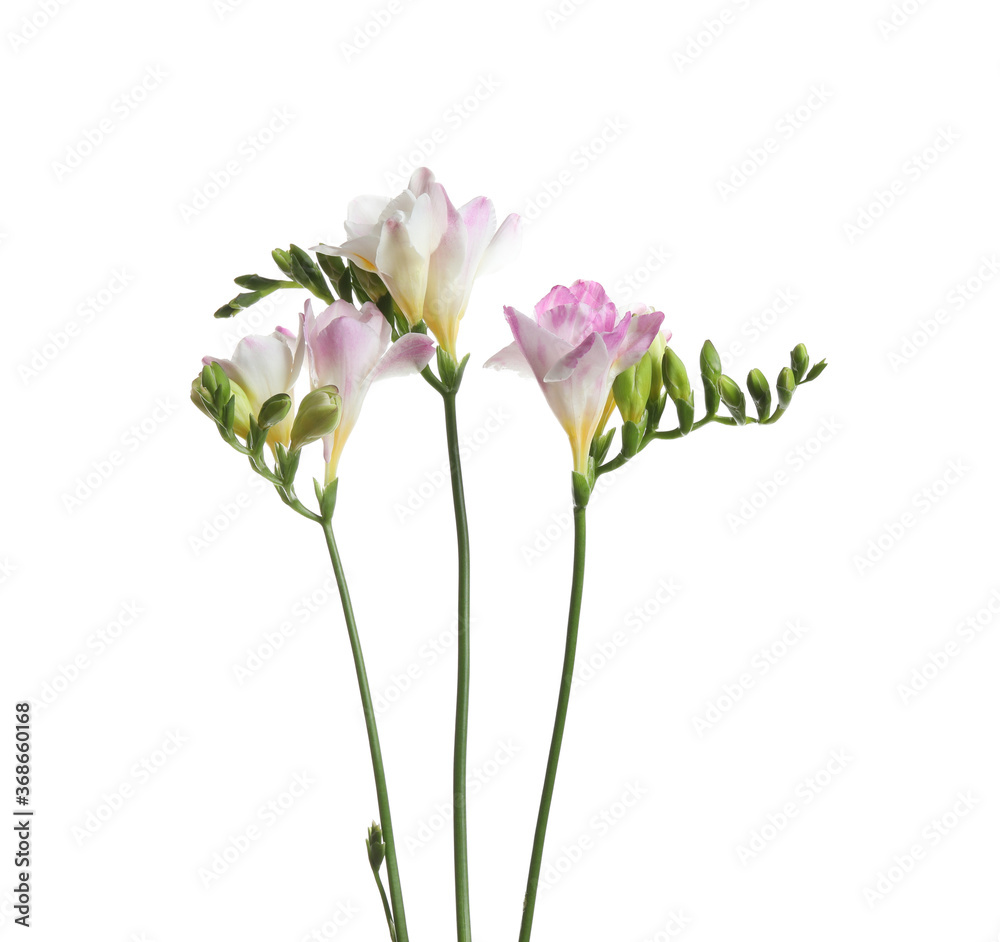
{"type": "Point", "coordinates": [631, 390]}
{"type": "Point", "coordinates": [711, 365]}
{"type": "Point", "coordinates": [207, 392]}
{"type": "Point", "coordinates": [376, 846]}
{"type": "Point", "coordinates": [800, 362]}
{"type": "Point", "coordinates": [760, 392]}
{"type": "Point", "coordinates": [815, 371]}
{"type": "Point", "coordinates": [656, 350]}
{"type": "Point", "coordinates": [318, 416]}
{"type": "Point", "coordinates": [733, 399]}
{"type": "Point", "coordinates": [274, 410]}
{"type": "Point", "coordinates": [786, 387]}
{"type": "Point", "coordinates": [370, 282]}
{"type": "Point", "coordinates": [675, 377]}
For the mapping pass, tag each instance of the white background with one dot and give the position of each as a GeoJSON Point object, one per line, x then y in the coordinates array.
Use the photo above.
{"type": "Point", "coordinates": [611, 100]}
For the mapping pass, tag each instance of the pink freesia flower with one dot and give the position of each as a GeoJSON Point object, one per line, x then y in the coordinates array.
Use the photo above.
{"type": "Point", "coordinates": [264, 365]}
{"type": "Point", "coordinates": [426, 251]}
{"type": "Point", "coordinates": [349, 348]}
{"type": "Point", "coordinates": [575, 348]}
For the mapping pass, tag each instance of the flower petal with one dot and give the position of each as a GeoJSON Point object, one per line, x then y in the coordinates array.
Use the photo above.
{"type": "Point", "coordinates": [410, 354]}
{"type": "Point", "coordinates": [510, 358]}
{"type": "Point", "coordinates": [504, 246]}
{"type": "Point", "coordinates": [541, 349]}
{"type": "Point", "coordinates": [641, 332]}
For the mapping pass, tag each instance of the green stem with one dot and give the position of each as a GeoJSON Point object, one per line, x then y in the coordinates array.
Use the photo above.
{"type": "Point", "coordinates": [566, 684]}
{"type": "Point", "coordinates": [385, 818]}
{"type": "Point", "coordinates": [460, 774]}
{"type": "Point", "coordinates": [385, 906]}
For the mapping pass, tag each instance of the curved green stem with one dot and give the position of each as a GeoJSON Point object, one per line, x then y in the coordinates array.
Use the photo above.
{"type": "Point", "coordinates": [566, 684]}
{"type": "Point", "coordinates": [392, 869]}
{"type": "Point", "coordinates": [462, 909]}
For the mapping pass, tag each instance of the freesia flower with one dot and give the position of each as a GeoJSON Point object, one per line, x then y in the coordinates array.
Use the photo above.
{"type": "Point", "coordinates": [262, 366]}
{"type": "Point", "coordinates": [349, 348]}
{"type": "Point", "coordinates": [426, 251]}
{"type": "Point", "coordinates": [575, 347]}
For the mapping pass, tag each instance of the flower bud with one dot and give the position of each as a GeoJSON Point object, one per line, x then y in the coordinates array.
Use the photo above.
{"type": "Point", "coordinates": [675, 377]}
{"type": "Point", "coordinates": [656, 350]}
{"type": "Point", "coordinates": [733, 399]}
{"type": "Point", "coordinates": [711, 365]}
{"type": "Point", "coordinates": [205, 398]}
{"type": "Point", "coordinates": [631, 390]}
{"type": "Point", "coordinates": [786, 387]}
{"type": "Point", "coordinates": [318, 416]}
{"type": "Point", "coordinates": [800, 362]}
{"type": "Point", "coordinates": [274, 410]}
{"type": "Point", "coordinates": [370, 282]}
{"type": "Point", "coordinates": [711, 370]}
{"type": "Point", "coordinates": [376, 846]}
{"type": "Point", "coordinates": [760, 392]}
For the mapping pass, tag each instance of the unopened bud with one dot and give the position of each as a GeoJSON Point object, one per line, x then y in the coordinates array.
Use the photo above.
{"type": "Point", "coordinates": [274, 410]}
{"type": "Point", "coordinates": [711, 365]}
{"type": "Point", "coordinates": [760, 392]}
{"type": "Point", "coordinates": [656, 351]}
{"type": "Point", "coordinates": [675, 376]}
{"type": "Point", "coordinates": [631, 390]}
{"type": "Point", "coordinates": [318, 416]}
{"type": "Point", "coordinates": [786, 387]}
{"type": "Point", "coordinates": [800, 362]}
{"type": "Point", "coordinates": [733, 399]}
{"type": "Point", "coordinates": [376, 846]}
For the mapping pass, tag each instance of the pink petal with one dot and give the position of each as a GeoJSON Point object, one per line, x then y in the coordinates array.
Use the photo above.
{"type": "Point", "coordinates": [509, 358]}
{"type": "Point", "coordinates": [541, 349]}
{"type": "Point", "coordinates": [565, 367]}
{"type": "Point", "coordinates": [504, 246]}
{"type": "Point", "coordinates": [410, 354]}
{"type": "Point", "coordinates": [642, 330]}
